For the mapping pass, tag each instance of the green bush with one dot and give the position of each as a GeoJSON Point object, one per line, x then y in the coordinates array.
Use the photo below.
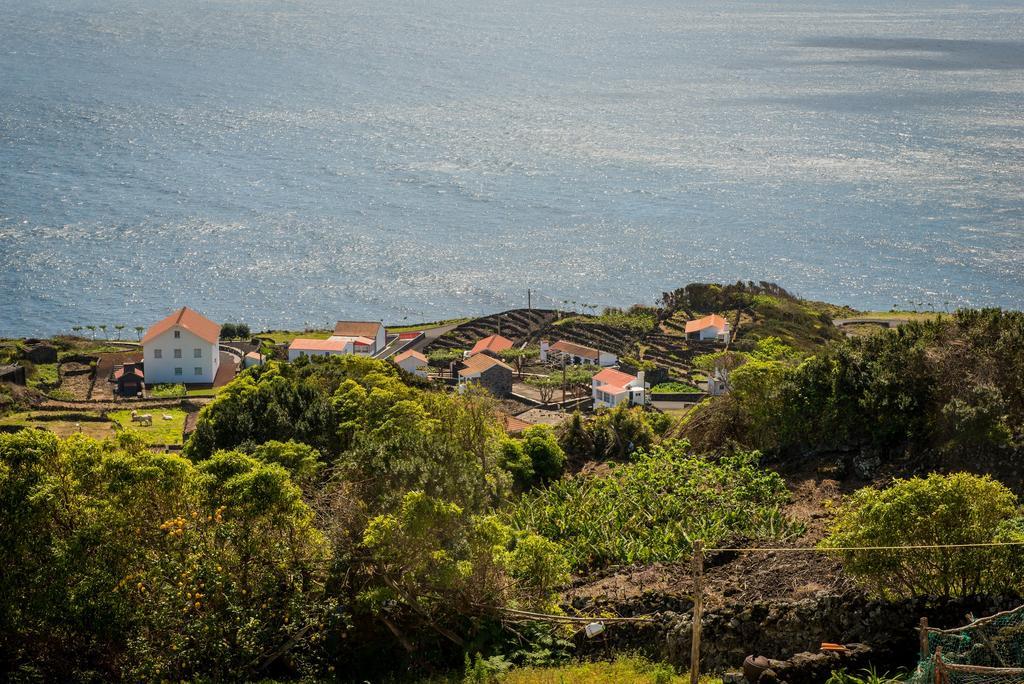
{"type": "Point", "coordinates": [167, 391]}
{"type": "Point", "coordinates": [673, 388]}
{"type": "Point", "coordinates": [935, 510]}
{"type": "Point", "coordinates": [652, 510]}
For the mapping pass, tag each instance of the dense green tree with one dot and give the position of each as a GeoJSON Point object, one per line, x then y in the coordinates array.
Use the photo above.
{"type": "Point", "coordinates": [936, 510]}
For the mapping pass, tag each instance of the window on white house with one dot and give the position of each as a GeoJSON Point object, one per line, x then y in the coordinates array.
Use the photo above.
{"type": "Point", "coordinates": [158, 353]}
{"type": "Point", "coordinates": [177, 353]}
{"type": "Point", "coordinates": [197, 353]}
{"type": "Point", "coordinates": [177, 334]}
{"type": "Point", "coordinates": [178, 371]}
{"type": "Point", "coordinates": [199, 370]}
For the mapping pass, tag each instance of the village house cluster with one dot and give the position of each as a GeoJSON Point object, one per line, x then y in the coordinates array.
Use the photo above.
{"type": "Point", "coordinates": [185, 348]}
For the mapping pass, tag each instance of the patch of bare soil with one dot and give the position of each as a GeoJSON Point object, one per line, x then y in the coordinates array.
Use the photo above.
{"type": "Point", "coordinates": [76, 379]}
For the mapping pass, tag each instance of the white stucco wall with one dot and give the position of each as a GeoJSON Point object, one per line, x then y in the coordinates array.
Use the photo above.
{"type": "Point", "coordinates": [412, 365]}
{"type": "Point", "coordinates": [161, 371]}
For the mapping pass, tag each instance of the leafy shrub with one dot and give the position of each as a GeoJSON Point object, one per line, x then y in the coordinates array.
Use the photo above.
{"type": "Point", "coordinates": [156, 569]}
{"type": "Point", "coordinates": [652, 509]}
{"type": "Point", "coordinates": [673, 388]}
{"type": "Point", "coordinates": [936, 510]}
{"type": "Point", "coordinates": [546, 456]}
{"type": "Point", "coordinates": [167, 391]}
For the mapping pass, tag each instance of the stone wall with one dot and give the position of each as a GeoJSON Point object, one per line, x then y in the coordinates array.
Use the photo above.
{"type": "Point", "coordinates": [778, 629]}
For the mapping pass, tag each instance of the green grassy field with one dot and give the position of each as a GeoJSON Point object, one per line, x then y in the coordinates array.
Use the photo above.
{"type": "Point", "coordinates": [286, 336]}
{"type": "Point", "coordinates": [62, 424]}
{"type": "Point", "coordinates": [207, 392]}
{"type": "Point", "coordinates": [161, 432]}
{"type": "Point", "coordinates": [908, 315]}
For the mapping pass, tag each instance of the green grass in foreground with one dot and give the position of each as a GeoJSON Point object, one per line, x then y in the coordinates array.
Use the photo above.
{"type": "Point", "coordinates": [625, 669]}
{"type": "Point", "coordinates": [161, 432]}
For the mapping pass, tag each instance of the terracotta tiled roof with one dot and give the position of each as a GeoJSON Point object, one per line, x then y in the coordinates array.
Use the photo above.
{"type": "Point", "coordinates": [612, 389]}
{"type": "Point", "coordinates": [193, 321]}
{"type": "Point", "coordinates": [493, 343]}
{"type": "Point", "coordinates": [512, 424]}
{"type": "Point", "coordinates": [130, 369]}
{"type": "Point", "coordinates": [610, 376]}
{"type": "Point", "coordinates": [411, 354]}
{"type": "Point", "coordinates": [303, 344]}
{"type": "Point", "coordinates": [574, 349]}
{"type": "Point", "coordinates": [480, 363]}
{"type": "Point", "coordinates": [713, 320]}
{"type": "Point", "coordinates": [358, 328]}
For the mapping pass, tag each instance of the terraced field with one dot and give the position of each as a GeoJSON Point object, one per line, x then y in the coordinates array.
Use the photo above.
{"type": "Point", "coordinates": [519, 325]}
{"type": "Point", "coordinates": [597, 335]}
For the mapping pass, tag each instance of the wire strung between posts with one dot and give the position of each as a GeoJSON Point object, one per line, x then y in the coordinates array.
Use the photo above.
{"type": "Point", "coordinates": [822, 549]}
{"type": "Point", "coordinates": [564, 618]}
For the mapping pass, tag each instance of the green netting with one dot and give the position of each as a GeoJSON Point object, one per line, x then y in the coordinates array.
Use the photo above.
{"type": "Point", "coordinates": [989, 650]}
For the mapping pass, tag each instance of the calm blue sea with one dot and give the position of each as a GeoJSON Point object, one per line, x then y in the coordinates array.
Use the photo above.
{"type": "Point", "coordinates": [292, 162]}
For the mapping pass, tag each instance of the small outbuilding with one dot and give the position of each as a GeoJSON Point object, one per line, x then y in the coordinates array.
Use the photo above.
{"type": "Point", "coordinates": [487, 372]}
{"type": "Point", "coordinates": [412, 362]}
{"type": "Point", "coordinates": [130, 379]}
{"type": "Point", "coordinates": [12, 373]}
{"type": "Point", "coordinates": [579, 353]}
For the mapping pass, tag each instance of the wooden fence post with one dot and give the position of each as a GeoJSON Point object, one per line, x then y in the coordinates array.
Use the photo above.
{"type": "Point", "coordinates": [698, 609]}
{"type": "Point", "coordinates": [925, 651]}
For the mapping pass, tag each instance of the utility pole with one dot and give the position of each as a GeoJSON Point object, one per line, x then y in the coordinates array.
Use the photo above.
{"type": "Point", "coordinates": [563, 380]}
{"type": "Point", "coordinates": [529, 299]}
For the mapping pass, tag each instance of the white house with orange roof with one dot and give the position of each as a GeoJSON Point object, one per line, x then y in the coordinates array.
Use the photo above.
{"type": "Point", "coordinates": [712, 327]}
{"type": "Point", "coordinates": [332, 346]}
{"type": "Point", "coordinates": [373, 330]}
{"type": "Point", "coordinates": [412, 362]}
{"type": "Point", "coordinates": [611, 387]}
{"type": "Point", "coordinates": [182, 348]}
{"type": "Point", "coordinates": [578, 353]}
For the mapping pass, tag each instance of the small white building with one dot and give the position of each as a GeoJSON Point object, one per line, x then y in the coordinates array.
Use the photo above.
{"type": "Point", "coordinates": [253, 358]}
{"type": "Point", "coordinates": [332, 346]}
{"type": "Point", "coordinates": [611, 387]}
{"type": "Point", "coordinates": [717, 383]}
{"type": "Point", "coordinates": [183, 348]}
{"type": "Point", "coordinates": [579, 354]}
{"type": "Point", "coordinates": [372, 330]}
{"type": "Point", "coordinates": [712, 327]}
{"type": "Point", "coordinates": [412, 362]}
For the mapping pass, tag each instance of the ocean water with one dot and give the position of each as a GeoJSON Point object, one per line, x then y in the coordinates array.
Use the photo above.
{"type": "Point", "coordinates": [292, 162]}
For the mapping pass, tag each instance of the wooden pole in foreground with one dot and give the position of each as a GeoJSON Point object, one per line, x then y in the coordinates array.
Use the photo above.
{"type": "Point", "coordinates": [698, 609]}
{"type": "Point", "coordinates": [925, 654]}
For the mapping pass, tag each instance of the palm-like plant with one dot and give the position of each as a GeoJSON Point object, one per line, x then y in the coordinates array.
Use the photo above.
{"type": "Point", "coordinates": [119, 327]}
{"type": "Point", "coordinates": [103, 329]}
{"type": "Point", "coordinates": [76, 329]}
{"type": "Point", "coordinates": [91, 329]}
{"type": "Point", "coordinates": [138, 332]}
